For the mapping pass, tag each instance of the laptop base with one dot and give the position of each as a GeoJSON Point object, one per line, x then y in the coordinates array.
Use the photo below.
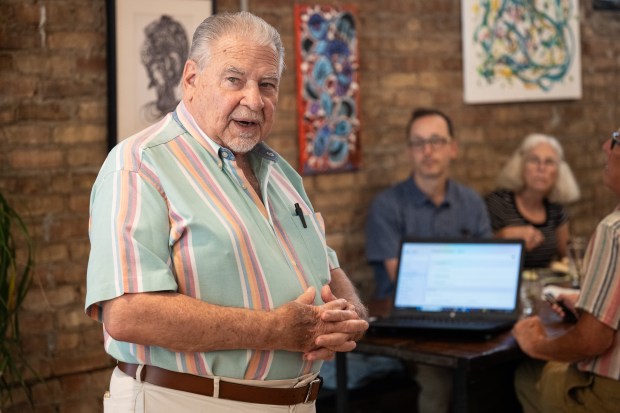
{"type": "Point", "coordinates": [459, 331]}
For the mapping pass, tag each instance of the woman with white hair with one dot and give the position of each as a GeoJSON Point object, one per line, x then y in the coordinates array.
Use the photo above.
{"type": "Point", "coordinates": [534, 185]}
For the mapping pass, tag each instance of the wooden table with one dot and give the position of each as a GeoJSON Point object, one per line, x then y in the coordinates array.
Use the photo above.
{"type": "Point", "coordinates": [483, 368]}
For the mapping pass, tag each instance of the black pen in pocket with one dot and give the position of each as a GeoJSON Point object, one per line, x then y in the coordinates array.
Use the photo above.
{"type": "Point", "coordinates": [300, 214]}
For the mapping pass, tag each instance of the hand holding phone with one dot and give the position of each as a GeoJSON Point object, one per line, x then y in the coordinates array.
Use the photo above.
{"type": "Point", "coordinates": [569, 316]}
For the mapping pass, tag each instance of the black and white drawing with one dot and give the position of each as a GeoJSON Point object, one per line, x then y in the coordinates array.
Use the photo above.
{"type": "Point", "coordinates": [163, 55]}
{"type": "Point", "coordinates": [148, 43]}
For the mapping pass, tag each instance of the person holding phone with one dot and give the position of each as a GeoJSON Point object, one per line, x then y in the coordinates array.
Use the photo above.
{"type": "Point", "coordinates": [579, 371]}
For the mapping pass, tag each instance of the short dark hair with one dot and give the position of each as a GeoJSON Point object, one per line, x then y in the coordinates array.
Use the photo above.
{"type": "Point", "coordinates": [423, 112]}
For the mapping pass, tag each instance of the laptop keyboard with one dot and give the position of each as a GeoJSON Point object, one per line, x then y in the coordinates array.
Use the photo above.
{"type": "Point", "coordinates": [431, 322]}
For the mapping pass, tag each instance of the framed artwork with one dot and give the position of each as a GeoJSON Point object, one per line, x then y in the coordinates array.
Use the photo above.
{"type": "Point", "coordinates": [328, 95]}
{"type": "Point", "coordinates": [606, 5]}
{"type": "Point", "coordinates": [521, 51]}
{"type": "Point", "coordinates": [148, 44]}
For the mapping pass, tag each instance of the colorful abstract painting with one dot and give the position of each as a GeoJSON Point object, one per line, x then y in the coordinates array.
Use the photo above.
{"type": "Point", "coordinates": [327, 89]}
{"type": "Point", "coordinates": [515, 50]}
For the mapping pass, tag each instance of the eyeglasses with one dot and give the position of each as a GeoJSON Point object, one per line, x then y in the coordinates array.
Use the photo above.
{"type": "Point", "coordinates": [615, 139]}
{"type": "Point", "coordinates": [535, 161]}
{"type": "Point", "coordinates": [436, 142]}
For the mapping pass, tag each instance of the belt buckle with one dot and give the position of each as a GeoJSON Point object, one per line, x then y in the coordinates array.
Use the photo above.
{"type": "Point", "coordinates": [319, 382]}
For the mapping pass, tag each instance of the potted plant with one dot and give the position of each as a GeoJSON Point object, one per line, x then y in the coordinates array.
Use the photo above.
{"type": "Point", "coordinates": [15, 279]}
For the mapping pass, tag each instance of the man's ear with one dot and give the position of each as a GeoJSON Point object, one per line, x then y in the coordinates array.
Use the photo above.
{"type": "Point", "coordinates": [454, 149]}
{"type": "Point", "coordinates": [188, 81]}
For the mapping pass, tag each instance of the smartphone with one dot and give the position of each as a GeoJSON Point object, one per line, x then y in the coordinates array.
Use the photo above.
{"type": "Point", "coordinates": [569, 316]}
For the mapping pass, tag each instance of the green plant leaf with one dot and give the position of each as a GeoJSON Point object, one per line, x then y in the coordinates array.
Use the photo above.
{"type": "Point", "coordinates": [15, 280]}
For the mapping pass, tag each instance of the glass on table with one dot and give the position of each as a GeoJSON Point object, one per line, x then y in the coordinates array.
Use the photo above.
{"type": "Point", "coordinates": [576, 252]}
{"type": "Point", "coordinates": [531, 287]}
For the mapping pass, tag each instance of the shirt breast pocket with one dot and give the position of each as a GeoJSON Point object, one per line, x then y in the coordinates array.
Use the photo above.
{"type": "Point", "coordinates": [308, 244]}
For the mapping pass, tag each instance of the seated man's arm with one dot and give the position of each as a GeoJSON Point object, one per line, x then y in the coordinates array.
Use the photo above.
{"type": "Point", "coordinates": [181, 323]}
{"type": "Point", "coordinates": [482, 221]}
{"type": "Point", "coordinates": [384, 231]}
{"type": "Point", "coordinates": [588, 338]}
{"type": "Point", "coordinates": [391, 266]}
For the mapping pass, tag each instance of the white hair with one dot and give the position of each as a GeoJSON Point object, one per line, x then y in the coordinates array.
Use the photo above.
{"type": "Point", "coordinates": [244, 24]}
{"type": "Point", "coordinates": [565, 189]}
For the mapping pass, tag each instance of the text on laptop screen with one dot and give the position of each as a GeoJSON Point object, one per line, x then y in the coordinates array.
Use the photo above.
{"type": "Point", "coordinates": [459, 277]}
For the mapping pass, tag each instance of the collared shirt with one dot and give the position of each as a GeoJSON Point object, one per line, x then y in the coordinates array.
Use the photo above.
{"type": "Point", "coordinates": [600, 292]}
{"type": "Point", "coordinates": [404, 210]}
{"type": "Point", "coordinates": [170, 212]}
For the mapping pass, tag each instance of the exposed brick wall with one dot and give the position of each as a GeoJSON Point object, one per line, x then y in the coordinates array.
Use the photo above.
{"type": "Point", "coordinates": [53, 141]}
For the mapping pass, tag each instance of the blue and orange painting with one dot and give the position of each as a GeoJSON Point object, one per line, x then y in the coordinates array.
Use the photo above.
{"type": "Point", "coordinates": [327, 89]}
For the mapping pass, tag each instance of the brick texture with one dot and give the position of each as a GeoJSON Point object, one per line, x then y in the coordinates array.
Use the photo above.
{"type": "Point", "coordinates": [53, 139]}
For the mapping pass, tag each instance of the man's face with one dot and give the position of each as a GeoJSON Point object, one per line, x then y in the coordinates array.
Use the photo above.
{"type": "Point", "coordinates": [611, 173]}
{"type": "Point", "coordinates": [431, 148]}
{"type": "Point", "coordinates": [234, 98]}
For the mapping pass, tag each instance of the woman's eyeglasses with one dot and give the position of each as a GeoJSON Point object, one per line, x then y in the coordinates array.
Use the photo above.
{"type": "Point", "coordinates": [537, 162]}
{"type": "Point", "coordinates": [615, 139]}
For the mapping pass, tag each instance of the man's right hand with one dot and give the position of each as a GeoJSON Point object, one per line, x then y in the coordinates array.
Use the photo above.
{"type": "Point", "coordinates": [567, 299]}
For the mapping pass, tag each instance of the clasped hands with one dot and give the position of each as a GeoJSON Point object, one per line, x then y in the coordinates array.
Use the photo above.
{"type": "Point", "coordinates": [320, 331]}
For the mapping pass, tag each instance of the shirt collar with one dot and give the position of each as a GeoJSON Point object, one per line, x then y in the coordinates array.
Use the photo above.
{"type": "Point", "coordinates": [420, 198]}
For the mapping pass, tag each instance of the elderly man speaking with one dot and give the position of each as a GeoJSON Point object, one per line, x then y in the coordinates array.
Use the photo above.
{"type": "Point", "coordinates": [208, 267]}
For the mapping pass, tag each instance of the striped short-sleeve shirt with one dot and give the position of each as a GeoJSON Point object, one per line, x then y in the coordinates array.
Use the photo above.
{"type": "Point", "coordinates": [600, 292]}
{"type": "Point", "coordinates": [169, 212]}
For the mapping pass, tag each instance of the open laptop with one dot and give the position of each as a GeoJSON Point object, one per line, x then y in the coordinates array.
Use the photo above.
{"type": "Point", "coordinates": [455, 284]}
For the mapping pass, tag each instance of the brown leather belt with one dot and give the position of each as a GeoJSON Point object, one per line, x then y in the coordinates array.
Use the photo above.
{"type": "Point", "coordinates": [231, 391]}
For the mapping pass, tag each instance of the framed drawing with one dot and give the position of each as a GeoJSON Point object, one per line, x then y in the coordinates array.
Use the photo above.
{"type": "Point", "coordinates": [521, 51]}
{"type": "Point", "coordinates": [328, 95]}
{"type": "Point", "coordinates": [148, 43]}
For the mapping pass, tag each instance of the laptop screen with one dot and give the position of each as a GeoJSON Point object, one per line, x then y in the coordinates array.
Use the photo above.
{"type": "Point", "coordinates": [459, 276]}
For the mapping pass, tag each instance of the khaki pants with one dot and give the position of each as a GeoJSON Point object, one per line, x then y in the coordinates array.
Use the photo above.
{"type": "Point", "coordinates": [435, 388]}
{"type": "Point", "coordinates": [555, 387]}
{"type": "Point", "coordinates": [128, 395]}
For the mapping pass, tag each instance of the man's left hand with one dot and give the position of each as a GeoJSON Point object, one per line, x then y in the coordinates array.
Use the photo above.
{"type": "Point", "coordinates": [528, 333]}
{"type": "Point", "coordinates": [329, 343]}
